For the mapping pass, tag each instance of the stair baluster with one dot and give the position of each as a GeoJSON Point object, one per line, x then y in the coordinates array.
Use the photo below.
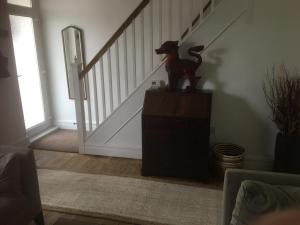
{"type": "Point", "coordinates": [108, 78]}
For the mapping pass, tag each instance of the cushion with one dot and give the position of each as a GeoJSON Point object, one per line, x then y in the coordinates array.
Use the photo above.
{"type": "Point", "coordinates": [10, 180]}
{"type": "Point", "coordinates": [257, 198]}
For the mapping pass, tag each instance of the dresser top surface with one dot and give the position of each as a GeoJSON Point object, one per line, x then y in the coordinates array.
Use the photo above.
{"type": "Point", "coordinates": [177, 104]}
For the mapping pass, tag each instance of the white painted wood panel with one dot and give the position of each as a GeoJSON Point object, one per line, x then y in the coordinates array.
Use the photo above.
{"type": "Point", "coordinates": [123, 126]}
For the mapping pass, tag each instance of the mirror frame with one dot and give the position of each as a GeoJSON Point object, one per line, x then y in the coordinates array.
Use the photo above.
{"type": "Point", "coordinates": [82, 56]}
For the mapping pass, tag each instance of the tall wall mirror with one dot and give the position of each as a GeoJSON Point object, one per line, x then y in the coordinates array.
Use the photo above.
{"type": "Point", "coordinates": [73, 49]}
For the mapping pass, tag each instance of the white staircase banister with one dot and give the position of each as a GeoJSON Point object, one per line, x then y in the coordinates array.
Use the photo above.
{"type": "Point", "coordinates": [115, 36]}
{"type": "Point", "coordinates": [127, 62]}
{"type": "Point", "coordinates": [79, 106]}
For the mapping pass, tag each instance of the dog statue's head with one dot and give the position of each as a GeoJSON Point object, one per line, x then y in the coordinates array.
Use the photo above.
{"type": "Point", "coordinates": [167, 47]}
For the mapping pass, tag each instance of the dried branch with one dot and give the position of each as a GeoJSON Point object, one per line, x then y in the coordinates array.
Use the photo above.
{"type": "Point", "coordinates": [282, 92]}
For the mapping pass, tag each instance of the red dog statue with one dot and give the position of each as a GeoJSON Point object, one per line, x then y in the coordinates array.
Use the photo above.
{"type": "Point", "coordinates": [178, 68]}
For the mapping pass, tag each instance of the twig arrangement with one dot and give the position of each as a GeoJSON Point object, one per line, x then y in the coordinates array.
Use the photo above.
{"type": "Point", "coordinates": [282, 92]}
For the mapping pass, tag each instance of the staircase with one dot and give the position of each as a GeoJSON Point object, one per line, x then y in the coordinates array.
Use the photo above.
{"type": "Point", "coordinates": [116, 78]}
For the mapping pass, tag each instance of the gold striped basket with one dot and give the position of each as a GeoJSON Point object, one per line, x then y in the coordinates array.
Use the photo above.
{"type": "Point", "coordinates": [228, 155]}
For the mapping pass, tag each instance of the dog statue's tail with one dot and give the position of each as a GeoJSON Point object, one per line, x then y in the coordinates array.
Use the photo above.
{"type": "Point", "coordinates": [195, 52]}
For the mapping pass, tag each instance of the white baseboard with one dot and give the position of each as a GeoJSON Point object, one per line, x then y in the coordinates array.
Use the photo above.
{"type": "Point", "coordinates": [113, 151]}
{"type": "Point", "coordinates": [44, 133]}
{"type": "Point", "coordinates": [70, 124]}
{"type": "Point", "coordinates": [39, 128]}
{"type": "Point", "coordinates": [66, 124]}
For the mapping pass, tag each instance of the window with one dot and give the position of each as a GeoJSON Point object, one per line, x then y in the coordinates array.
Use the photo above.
{"type": "Point", "coordinates": [27, 69]}
{"type": "Point", "coordinates": [25, 31]}
{"type": "Point", "coordinates": [25, 3]}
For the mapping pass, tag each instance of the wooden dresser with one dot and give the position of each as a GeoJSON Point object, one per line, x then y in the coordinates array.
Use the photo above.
{"type": "Point", "coordinates": [175, 134]}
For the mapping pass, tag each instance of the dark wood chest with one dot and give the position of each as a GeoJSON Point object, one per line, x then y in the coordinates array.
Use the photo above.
{"type": "Point", "coordinates": [175, 134]}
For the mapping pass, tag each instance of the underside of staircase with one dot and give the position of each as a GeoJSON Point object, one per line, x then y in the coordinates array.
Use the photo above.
{"type": "Point", "coordinates": [109, 120]}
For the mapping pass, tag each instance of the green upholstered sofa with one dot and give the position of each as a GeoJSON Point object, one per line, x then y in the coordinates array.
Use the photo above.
{"type": "Point", "coordinates": [235, 177]}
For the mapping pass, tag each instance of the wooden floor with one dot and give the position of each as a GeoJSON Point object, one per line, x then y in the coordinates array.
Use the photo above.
{"type": "Point", "coordinates": [53, 217]}
{"type": "Point", "coordinates": [99, 165]}
{"type": "Point", "coordinates": [87, 164]}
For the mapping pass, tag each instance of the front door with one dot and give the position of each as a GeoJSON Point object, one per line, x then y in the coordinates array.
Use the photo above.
{"type": "Point", "coordinates": [23, 20]}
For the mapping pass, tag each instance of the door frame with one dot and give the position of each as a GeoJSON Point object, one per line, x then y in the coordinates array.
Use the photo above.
{"type": "Point", "coordinates": [34, 13]}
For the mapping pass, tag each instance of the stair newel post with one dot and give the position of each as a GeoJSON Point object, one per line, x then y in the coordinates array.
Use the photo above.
{"type": "Point", "coordinates": [79, 105]}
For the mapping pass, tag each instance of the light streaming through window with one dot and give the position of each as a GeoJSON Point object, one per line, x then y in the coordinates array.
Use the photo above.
{"type": "Point", "coordinates": [27, 69]}
{"type": "Point", "coordinates": [26, 3]}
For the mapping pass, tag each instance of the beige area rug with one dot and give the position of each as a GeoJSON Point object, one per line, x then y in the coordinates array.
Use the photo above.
{"type": "Point", "coordinates": [128, 199]}
{"type": "Point", "coordinates": [58, 140]}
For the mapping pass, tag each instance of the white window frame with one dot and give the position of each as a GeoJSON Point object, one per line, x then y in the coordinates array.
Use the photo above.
{"type": "Point", "coordinates": [33, 12]}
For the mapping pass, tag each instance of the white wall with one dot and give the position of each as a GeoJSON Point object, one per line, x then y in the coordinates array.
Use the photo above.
{"type": "Point", "coordinates": [235, 65]}
{"type": "Point", "coordinates": [12, 127]}
{"type": "Point", "coordinates": [98, 19]}
{"type": "Point", "coordinates": [234, 68]}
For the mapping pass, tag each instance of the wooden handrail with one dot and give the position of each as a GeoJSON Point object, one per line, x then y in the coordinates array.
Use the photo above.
{"type": "Point", "coordinates": [115, 36]}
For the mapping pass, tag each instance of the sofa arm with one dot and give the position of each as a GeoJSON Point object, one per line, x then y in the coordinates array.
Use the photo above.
{"type": "Point", "coordinates": [234, 178]}
{"type": "Point", "coordinates": [28, 174]}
